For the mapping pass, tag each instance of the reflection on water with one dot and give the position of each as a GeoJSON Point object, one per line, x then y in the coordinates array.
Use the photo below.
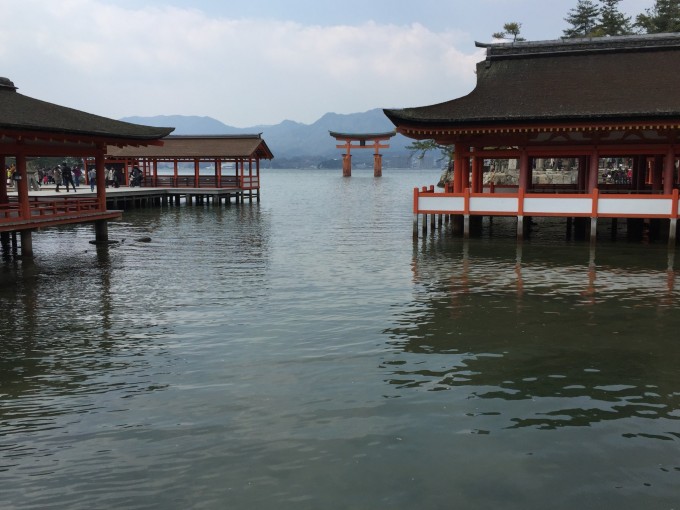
{"type": "Point", "coordinates": [305, 353]}
{"type": "Point", "coordinates": [581, 343]}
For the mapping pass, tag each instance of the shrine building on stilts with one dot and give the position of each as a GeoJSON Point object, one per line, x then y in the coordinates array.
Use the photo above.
{"type": "Point", "coordinates": [31, 128]}
{"type": "Point", "coordinates": [609, 106]}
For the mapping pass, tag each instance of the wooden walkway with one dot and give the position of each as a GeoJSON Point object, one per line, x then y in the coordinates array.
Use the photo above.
{"type": "Point", "coordinates": [51, 208]}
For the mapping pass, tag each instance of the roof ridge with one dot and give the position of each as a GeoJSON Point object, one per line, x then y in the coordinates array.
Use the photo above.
{"type": "Point", "coordinates": [643, 42]}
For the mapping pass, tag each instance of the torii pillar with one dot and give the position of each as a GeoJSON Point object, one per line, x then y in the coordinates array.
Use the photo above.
{"type": "Point", "coordinates": [374, 140]}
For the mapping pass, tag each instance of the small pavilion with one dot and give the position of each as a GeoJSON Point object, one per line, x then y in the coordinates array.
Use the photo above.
{"type": "Point", "coordinates": [213, 161]}
{"type": "Point", "coordinates": [33, 128]}
{"type": "Point", "coordinates": [593, 100]}
{"type": "Point", "coordinates": [365, 141]}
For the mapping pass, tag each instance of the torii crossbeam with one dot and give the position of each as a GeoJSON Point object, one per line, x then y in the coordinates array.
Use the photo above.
{"type": "Point", "coordinates": [373, 140]}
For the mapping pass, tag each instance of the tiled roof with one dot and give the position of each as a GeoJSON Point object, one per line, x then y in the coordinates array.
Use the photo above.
{"type": "Point", "coordinates": [205, 147]}
{"type": "Point", "coordinates": [616, 78]}
{"type": "Point", "coordinates": [19, 113]}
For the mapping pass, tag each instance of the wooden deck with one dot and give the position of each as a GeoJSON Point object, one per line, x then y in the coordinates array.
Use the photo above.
{"type": "Point", "coordinates": [51, 208]}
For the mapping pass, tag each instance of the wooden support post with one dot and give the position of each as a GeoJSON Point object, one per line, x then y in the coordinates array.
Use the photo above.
{"type": "Point", "coordinates": [466, 172]}
{"type": "Point", "coordinates": [377, 165]}
{"type": "Point", "coordinates": [657, 174]}
{"type": "Point", "coordinates": [415, 225]}
{"type": "Point", "coordinates": [100, 177]}
{"type": "Point", "coordinates": [347, 165]}
{"type": "Point", "coordinates": [101, 231]}
{"type": "Point", "coordinates": [669, 171]}
{"type": "Point", "coordinates": [477, 177]}
{"type": "Point", "coordinates": [672, 231]}
{"type": "Point", "coordinates": [520, 228]}
{"type": "Point", "coordinates": [570, 221]}
{"type": "Point", "coordinates": [673, 228]}
{"type": "Point", "coordinates": [26, 244]}
{"type": "Point", "coordinates": [593, 229]}
{"type": "Point", "coordinates": [594, 210]}
{"type": "Point", "coordinates": [582, 174]}
{"type": "Point", "coordinates": [4, 241]}
{"type": "Point", "coordinates": [524, 171]}
{"type": "Point", "coordinates": [458, 168]}
{"type": "Point", "coordinates": [3, 182]}
{"type": "Point", "coordinates": [466, 226]}
{"type": "Point", "coordinates": [22, 186]}
{"type": "Point", "coordinates": [593, 171]}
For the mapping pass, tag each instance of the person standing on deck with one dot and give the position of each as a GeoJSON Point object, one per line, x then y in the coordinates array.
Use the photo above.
{"type": "Point", "coordinates": [33, 180]}
{"type": "Point", "coordinates": [56, 175]}
{"type": "Point", "coordinates": [77, 173]}
{"type": "Point", "coordinates": [92, 177]}
{"type": "Point", "coordinates": [67, 176]}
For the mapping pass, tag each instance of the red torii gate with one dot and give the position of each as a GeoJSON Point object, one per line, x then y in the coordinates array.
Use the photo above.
{"type": "Point", "coordinates": [373, 138]}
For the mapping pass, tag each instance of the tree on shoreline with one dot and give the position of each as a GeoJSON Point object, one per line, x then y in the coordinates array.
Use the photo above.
{"type": "Point", "coordinates": [612, 21]}
{"type": "Point", "coordinates": [583, 19]}
{"type": "Point", "coordinates": [663, 17]}
{"type": "Point", "coordinates": [419, 148]}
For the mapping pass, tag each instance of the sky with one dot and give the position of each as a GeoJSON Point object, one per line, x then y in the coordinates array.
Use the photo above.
{"type": "Point", "coordinates": [258, 62]}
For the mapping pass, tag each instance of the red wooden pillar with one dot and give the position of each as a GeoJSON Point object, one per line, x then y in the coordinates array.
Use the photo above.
{"type": "Point", "coordinates": [377, 164]}
{"type": "Point", "coordinates": [22, 185]}
{"type": "Point", "coordinates": [657, 174]}
{"type": "Point", "coordinates": [593, 170]}
{"type": "Point", "coordinates": [466, 172]}
{"type": "Point", "coordinates": [524, 180]}
{"type": "Point", "coordinates": [669, 171]}
{"type": "Point", "coordinates": [458, 168]}
{"type": "Point", "coordinates": [347, 164]}
{"type": "Point", "coordinates": [477, 178]}
{"type": "Point", "coordinates": [582, 171]}
{"type": "Point", "coordinates": [175, 172]}
{"type": "Point", "coordinates": [639, 173]}
{"type": "Point", "coordinates": [257, 170]}
{"type": "Point", "coordinates": [4, 198]}
{"type": "Point", "coordinates": [218, 173]}
{"type": "Point", "coordinates": [100, 170]}
{"type": "Point", "coordinates": [197, 168]}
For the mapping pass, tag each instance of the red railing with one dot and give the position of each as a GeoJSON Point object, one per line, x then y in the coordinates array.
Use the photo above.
{"type": "Point", "coordinates": [48, 208]}
{"type": "Point", "coordinates": [204, 181]}
{"type": "Point", "coordinates": [519, 203]}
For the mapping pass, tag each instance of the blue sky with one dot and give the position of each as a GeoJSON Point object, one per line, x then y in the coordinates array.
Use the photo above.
{"type": "Point", "coordinates": [256, 62]}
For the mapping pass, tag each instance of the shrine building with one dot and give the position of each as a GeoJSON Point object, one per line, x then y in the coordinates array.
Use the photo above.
{"type": "Point", "coordinates": [593, 101]}
{"type": "Point", "coordinates": [30, 128]}
{"type": "Point", "coordinates": [230, 163]}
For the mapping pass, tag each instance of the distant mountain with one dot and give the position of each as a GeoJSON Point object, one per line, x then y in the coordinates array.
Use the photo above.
{"type": "Point", "coordinates": [298, 144]}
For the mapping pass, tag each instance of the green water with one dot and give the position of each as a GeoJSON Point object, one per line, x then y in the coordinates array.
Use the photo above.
{"type": "Point", "coordinates": [305, 352]}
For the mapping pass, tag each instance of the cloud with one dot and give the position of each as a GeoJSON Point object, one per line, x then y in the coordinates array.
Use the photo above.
{"type": "Point", "coordinates": [115, 61]}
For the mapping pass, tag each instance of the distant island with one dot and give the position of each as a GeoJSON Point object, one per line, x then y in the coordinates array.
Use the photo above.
{"type": "Point", "coordinates": [297, 145]}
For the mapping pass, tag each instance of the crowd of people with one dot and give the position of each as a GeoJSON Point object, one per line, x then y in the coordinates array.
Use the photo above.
{"type": "Point", "coordinates": [64, 175]}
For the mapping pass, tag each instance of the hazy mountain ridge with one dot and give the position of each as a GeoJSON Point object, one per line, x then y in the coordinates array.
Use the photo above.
{"type": "Point", "coordinates": [306, 144]}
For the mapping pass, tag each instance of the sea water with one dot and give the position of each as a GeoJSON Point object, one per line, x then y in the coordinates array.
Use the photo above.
{"type": "Point", "coordinates": [307, 352]}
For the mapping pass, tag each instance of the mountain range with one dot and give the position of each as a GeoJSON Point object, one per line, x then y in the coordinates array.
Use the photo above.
{"type": "Point", "coordinates": [301, 145]}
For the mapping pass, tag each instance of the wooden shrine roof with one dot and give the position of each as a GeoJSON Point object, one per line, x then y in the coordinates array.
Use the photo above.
{"type": "Point", "coordinates": [200, 146]}
{"type": "Point", "coordinates": [24, 116]}
{"type": "Point", "coordinates": [625, 78]}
